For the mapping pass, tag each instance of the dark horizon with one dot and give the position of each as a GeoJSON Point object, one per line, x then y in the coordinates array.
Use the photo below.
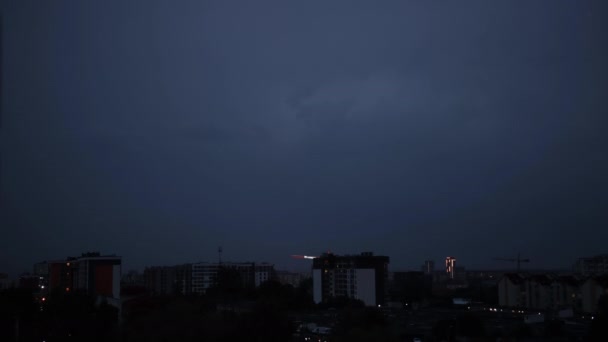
{"type": "Point", "coordinates": [159, 131]}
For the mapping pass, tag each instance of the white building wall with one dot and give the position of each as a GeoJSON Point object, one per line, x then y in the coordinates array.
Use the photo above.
{"type": "Point", "coordinates": [261, 277]}
{"type": "Point", "coordinates": [366, 286]}
{"type": "Point", "coordinates": [317, 286]}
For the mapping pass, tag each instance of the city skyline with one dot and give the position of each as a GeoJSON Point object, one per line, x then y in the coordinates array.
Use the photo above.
{"type": "Point", "coordinates": [415, 130]}
{"type": "Point", "coordinates": [304, 265]}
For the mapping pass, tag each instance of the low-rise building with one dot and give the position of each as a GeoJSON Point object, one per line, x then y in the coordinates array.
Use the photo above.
{"type": "Point", "coordinates": [291, 278]}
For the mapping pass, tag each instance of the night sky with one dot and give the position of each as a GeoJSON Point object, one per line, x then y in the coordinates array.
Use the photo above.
{"type": "Point", "coordinates": [160, 130]}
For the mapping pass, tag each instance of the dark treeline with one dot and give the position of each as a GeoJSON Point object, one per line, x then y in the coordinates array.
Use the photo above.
{"type": "Point", "coordinates": [229, 312]}
{"type": "Point", "coordinates": [58, 316]}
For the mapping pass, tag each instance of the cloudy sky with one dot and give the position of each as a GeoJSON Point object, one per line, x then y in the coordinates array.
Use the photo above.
{"type": "Point", "coordinates": [160, 130]}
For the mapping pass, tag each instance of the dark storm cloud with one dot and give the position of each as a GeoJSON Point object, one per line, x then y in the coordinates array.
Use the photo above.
{"type": "Point", "coordinates": [159, 131]}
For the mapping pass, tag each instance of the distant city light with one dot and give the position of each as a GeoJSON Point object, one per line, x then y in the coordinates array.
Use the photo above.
{"type": "Point", "coordinates": [450, 264]}
{"type": "Point", "coordinates": [303, 257]}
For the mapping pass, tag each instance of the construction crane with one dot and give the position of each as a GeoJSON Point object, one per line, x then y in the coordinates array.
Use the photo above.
{"type": "Point", "coordinates": [519, 260]}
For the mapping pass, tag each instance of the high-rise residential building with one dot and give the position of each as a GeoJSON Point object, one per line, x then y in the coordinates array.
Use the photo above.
{"type": "Point", "coordinates": [97, 275]}
{"type": "Point", "coordinates": [263, 273]}
{"type": "Point", "coordinates": [363, 277]}
{"type": "Point", "coordinates": [169, 280]}
{"type": "Point", "coordinates": [595, 265]}
{"type": "Point", "coordinates": [92, 273]}
{"type": "Point", "coordinates": [450, 266]}
{"type": "Point", "coordinates": [205, 274]}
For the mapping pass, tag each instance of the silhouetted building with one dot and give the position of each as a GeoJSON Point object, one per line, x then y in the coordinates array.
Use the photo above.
{"type": "Point", "coordinates": [591, 291]}
{"type": "Point", "coordinates": [160, 280]}
{"type": "Point", "coordinates": [292, 278]}
{"type": "Point", "coordinates": [251, 275]}
{"type": "Point", "coordinates": [363, 277]}
{"type": "Point", "coordinates": [132, 278]}
{"type": "Point", "coordinates": [183, 279]}
{"type": "Point", "coordinates": [540, 291]}
{"type": "Point", "coordinates": [6, 282]}
{"type": "Point", "coordinates": [428, 267]}
{"type": "Point", "coordinates": [169, 280]}
{"type": "Point", "coordinates": [30, 282]}
{"type": "Point", "coordinates": [41, 269]}
{"type": "Point", "coordinates": [595, 265]}
{"type": "Point", "coordinates": [460, 274]}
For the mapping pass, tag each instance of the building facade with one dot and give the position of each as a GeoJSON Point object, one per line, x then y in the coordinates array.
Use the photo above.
{"type": "Point", "coordinates": [363, 277]}
{"type": "Point", "coordinates": [251, 275]}
{"type": "Point", "coordinates": [92, 273]}
{"type": "Point", "coordinates": [168, 280]}
{"type": "Point", "coordinates": [595, 265]}
{"type": "Point", "coordinates": [591, 291]}
{"type": "Point", "coordinates": [263, 273]}
{"type": "Point", "coordinates": [511, 291]}
{"type": "Point", "coordinates": [541, 292]}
